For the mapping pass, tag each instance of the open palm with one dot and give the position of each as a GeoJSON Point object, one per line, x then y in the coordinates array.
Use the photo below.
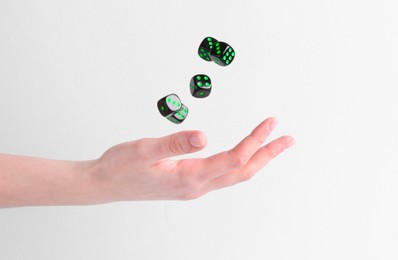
{"type": "Point", "coordinates": [144, 170]}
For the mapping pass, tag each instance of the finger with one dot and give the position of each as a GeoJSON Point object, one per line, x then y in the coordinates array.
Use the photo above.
{"type": "Point", "coordinates": [259, 160]}
{"type": "Point", "coordinates": [237, 157]}
{"type": "Point", "coordinates": [173, 145]}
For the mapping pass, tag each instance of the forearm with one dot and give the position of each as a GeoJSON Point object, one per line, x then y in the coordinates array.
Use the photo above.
{"type": "Point", "coordinates": [28, 181]}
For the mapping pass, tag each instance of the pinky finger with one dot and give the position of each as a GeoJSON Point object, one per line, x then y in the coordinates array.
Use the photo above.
{"type": "Point", "coordinates": [258, 161]}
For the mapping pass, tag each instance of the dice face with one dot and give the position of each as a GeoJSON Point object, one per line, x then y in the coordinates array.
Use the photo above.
{"type": "Point", "coordinates": [179, 116]}
{"type": "Point", "coordinates": [200, 86]}
{"type": "Point", "coordinates": [205, 47]}
{"type": "Point", "coordinates": [222, 54]}
{"type": "Point", "coordinates": [169, 104]}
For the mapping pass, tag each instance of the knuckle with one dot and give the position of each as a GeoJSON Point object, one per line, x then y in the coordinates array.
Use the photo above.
{"type": "Point", "coordinates": [248, 173]}
{"type": "Point", "coordinates": [239, 162]}
{"type": "Point", "coordinates": [139, 148]}
{"type": "Point", "coordinates": [279, 149]}
{"type": "Point", "coordinates": [245, 176]}
{"type": "Point", "coordinates": [189, 188]}
{"type": "Point", "coordinates": [273, 151]}
{"type": "Point", "coordinates": [257, 140]}
{"type": "Point", "coordinates": [175, 146]}
{"type": "Point", "coordinates": [236, 161]}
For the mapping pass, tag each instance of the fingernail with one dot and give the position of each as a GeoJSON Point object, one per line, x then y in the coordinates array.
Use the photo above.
{"type": "Point", "coordinates": [273, 124]}
{"type": "Point", "coordinates": [289, 142]}
{"type": "Point", "coordinates": [196, 141]}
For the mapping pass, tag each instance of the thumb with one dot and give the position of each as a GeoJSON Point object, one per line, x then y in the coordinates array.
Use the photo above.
{"type": "Point", "coordinates": [178, 144]}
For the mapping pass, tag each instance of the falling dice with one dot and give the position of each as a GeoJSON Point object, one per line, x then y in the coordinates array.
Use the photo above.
{"type": "Point", "coordinates": [179, 116]}
{"type": "Point", "coordinates": [171, 107]}
{"type": "Point", "coordinates": [205, 47]}
{"type": "Point", "coordinates": [200, 86]}
{"type": "Point", "coordinates": [169, 104]}
{"type": "Point", "coordinates": [222, 54]}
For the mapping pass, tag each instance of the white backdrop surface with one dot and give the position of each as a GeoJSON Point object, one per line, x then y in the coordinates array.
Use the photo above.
{"type": "Point", "coordinates": [77, 77]}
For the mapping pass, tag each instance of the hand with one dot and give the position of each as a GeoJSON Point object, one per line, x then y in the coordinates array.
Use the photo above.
{"type": "Point", "coordinates": [142, 170]}
{"type": "Point", "coordinates": [139, 170]}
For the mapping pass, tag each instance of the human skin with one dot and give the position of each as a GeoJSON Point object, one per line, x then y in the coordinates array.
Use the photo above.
{"type": "Point", "coordinates": [137, 170]}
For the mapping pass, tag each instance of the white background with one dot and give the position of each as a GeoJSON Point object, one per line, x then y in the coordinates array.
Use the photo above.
{"type": "Point", "coordinates": [77, 77]}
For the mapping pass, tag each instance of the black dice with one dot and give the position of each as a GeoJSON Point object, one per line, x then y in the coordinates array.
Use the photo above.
{"type": "Point", "coordinates": [205, 47]}
{"type": "Point", "coordinates": [171, 107]}
{"type": "Point", "coordinates": [169, 104]}
{"type": "Point", "coordinates": [222, 54]}
{"type": "Point", "coordinates": [200, 86]}
{"type": "Point", "coordinates": [210, 49]}
{"type": "Point", "coordinates": [179, 116]}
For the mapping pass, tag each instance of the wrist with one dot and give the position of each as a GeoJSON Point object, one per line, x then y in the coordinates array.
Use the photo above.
{"type": "Point", "coordinates": [92, 183]}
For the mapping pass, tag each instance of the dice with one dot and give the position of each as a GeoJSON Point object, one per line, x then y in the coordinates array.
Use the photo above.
{"type": "Point", "coordinates": [222, 54]}
{"type": "Point", "coordinates": [200, 86]}
{"type": "Point", "coordinates": [169, 104]}
{"type": "Point", "coordinates": [179, 116]}
{"type": "Point", "coordinates": [210, 49]}
{"type": "Point", "coordinates": [171, 107]}
{"type": "Point", "coordinates": [205, 47]}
